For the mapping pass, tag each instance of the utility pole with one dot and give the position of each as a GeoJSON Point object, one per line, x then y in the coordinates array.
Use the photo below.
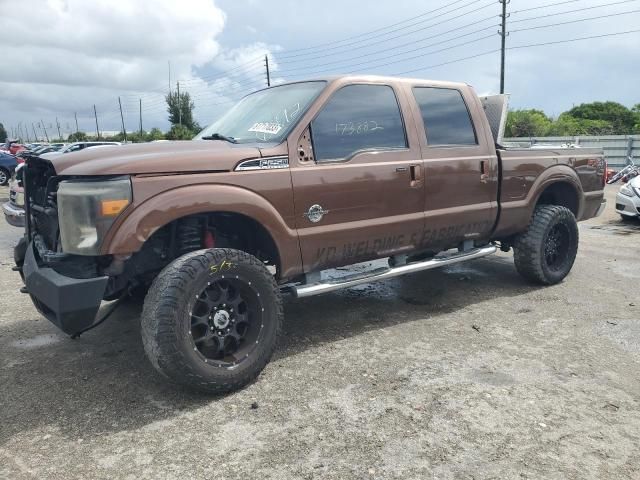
{"type": "Point", "coordinates": [503, 37]}
{"type": "Point", "coordinates": [34, 131]}
{"type": "Point", "coordinates": [124, 130]}
{"type": "Point", "coordinates": [58, 125]}
{"type": "Point", "coordinates": [95, 114]}
{"type": "Point", "coordinates": [141, 120]}
{"type": "Point", "coordinates": [179, 106]}
{"type": "Point", "coordinates": [44, 127]}
{"type": "Point", "coordinates": [169, 62]}
{"type": "Point", "coordinates": [266, 64]}
{"type": "Point", "coordinates": [75, 115]}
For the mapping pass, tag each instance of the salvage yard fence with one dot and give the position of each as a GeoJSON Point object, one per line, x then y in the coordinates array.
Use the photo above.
{"type": "Point", "coordinates": [617, 148]}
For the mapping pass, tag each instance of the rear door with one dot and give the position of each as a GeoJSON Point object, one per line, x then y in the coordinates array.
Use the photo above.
{"type": "Point", "coordinates": [360, 195]}
{"type": "Point", "coordinates": [461, 166]}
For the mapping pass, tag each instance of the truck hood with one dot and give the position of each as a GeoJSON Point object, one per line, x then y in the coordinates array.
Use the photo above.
{"type": "Point", "coordinates": [155, 157]}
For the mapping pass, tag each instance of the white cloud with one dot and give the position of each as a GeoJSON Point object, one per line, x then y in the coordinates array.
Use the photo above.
{"type": "Point", "coordinates": [67, 55]}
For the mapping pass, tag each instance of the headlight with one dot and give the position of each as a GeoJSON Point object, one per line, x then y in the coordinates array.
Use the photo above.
{"type": "Point", "coordinates": [86, 211]}
{"type": "Point", "coordinates": [626, 190]}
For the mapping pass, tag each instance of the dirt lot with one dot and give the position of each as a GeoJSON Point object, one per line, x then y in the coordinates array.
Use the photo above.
{"type": "Point", "coordinates": [466, 372]}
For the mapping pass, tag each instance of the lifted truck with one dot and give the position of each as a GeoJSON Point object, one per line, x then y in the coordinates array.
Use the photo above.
{"type": "Point", "coordinates": [294, 180]}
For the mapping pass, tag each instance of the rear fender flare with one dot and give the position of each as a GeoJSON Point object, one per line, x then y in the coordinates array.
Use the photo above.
{"type": "Point", "coordinates": [555, 174]}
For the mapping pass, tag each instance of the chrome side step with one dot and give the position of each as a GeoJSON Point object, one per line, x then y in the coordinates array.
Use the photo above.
{"type": "Point", "coordinates": [389, 272]}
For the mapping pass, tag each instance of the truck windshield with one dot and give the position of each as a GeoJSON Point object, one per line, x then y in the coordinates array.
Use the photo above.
{"type": "Point", "coordinates": [266, 115]}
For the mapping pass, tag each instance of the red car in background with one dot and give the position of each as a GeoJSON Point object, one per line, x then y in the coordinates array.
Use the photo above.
{"type": "Point", "coordinates": [15, 148]}
{"type": "Point", "coordinates": [12, 147]}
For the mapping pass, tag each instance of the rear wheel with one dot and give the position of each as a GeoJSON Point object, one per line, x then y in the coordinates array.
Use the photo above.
{"type": "Point", "coordinates": [546, 252]}
{"type": "Point", "coordinates": [211, 319]}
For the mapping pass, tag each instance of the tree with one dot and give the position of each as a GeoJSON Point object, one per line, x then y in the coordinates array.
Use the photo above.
{"type": "Point", "coordinates": [179, 132]}
{"type": "Point", "coordinates": [620, 118]}
{"type": "Point", "coordinates": [527, 123]}
{"type": "Point", "coordinates": [568, 126]}
{"type": "Point", "coordinates": [636, 113]}
{"type": "Point", "coordinates": [77, 137]}
{"type": "Point", "coordinates": [155, 134]}
{"type": "Point", "coordinates": [180, 109]}
{"type": "Point", "coordinates": [3, 134]}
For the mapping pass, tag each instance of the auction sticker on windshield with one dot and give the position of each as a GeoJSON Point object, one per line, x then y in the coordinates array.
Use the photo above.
{"type": "Point", "coordinates": [266, 127]}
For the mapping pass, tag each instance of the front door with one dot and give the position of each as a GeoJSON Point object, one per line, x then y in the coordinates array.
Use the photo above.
{"type": "Point", "coordinates": [358, 179]}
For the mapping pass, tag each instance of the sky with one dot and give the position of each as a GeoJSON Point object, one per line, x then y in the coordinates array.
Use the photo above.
{"type": "Point", "coordinates": [62, 57]}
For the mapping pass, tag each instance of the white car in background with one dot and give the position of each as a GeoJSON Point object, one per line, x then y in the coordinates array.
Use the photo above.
{"type": "Point", "coordinates": [74, 147]}
{"type": "Point", "coordinates": [628, 199]}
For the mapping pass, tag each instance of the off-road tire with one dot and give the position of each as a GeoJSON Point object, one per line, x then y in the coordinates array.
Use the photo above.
{"type": "Point", "coordinates": [529, 247]}
{"type": "Point", "coordinates": [166, 319]}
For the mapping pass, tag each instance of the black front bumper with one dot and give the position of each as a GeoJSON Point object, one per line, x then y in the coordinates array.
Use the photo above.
{"type": "Point", "coordinates": [70, 303]}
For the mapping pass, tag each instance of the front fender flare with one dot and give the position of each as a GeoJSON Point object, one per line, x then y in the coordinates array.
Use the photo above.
{"type": "Point", "coordinates": [130, 232]}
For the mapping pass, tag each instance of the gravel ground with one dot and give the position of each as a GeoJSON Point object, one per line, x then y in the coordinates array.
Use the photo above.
{"type": "Point", "coordinates": [466, 372]}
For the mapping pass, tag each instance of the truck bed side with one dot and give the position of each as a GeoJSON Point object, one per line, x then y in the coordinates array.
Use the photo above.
{"type": "Point", "coordinates": [564, 176]}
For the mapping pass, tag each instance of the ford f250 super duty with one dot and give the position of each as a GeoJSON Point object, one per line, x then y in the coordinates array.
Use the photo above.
{"type": "Point", "coordinates": [293, 181]}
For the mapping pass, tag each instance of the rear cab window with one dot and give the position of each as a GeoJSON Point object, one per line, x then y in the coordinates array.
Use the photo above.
{"type": "Point", "coordinates": [358, 118]}
{"type": "Point", "coordinates": [447, 121]}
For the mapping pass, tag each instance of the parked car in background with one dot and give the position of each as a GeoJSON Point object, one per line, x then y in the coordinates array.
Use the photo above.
{"type": "Point", "coordinates": [628, 200]}
{"type": "Point", "coordinates": [75, 147]}
{"type": "Point", "coordinates": [8, 164]}
{"type": "Point", "coordinates": [47, 149]}
{"type": "Point", "coordinates": [14, 209]}
{"type": "Point", "coordinates": [15, 148]}
{"type": "Point", "coordinates": [33, 146]}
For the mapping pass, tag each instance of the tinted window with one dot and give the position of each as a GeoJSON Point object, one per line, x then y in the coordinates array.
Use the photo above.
{"type": "Point", "coordinates": [358, 117]}
{"type": "Point", "coordinates": [445, 115]}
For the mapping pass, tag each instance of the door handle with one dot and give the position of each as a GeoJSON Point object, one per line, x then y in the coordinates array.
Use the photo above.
{"type": "Point", "coordinates": [484, 174]}
{"type": "Point", "coordinates": [416, 175]}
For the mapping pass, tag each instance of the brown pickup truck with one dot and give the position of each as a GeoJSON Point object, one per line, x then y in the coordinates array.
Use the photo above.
{"type": "Point", "coordinates": [293, 181]}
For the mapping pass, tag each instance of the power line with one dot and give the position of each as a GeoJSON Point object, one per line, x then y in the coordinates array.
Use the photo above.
{"type": "Point", "coordinates": [574, 39]}
{"type": "Point", "coordinates": [287, 71]}
{"type": "Point", "coordinates": [575, 21]}
{"type": "Point", "coordinates": [517, 47]}
{"type": "Point", "coordinates": [556, 4]}
{"type": "Point", "coordinates": [398, 60]}
{"type": "Point", "coordinates": [306, 55]}
{"type": "Point", "coordinates": [573, 11]}
{"type": "Point", "coordinates": [364, 34]}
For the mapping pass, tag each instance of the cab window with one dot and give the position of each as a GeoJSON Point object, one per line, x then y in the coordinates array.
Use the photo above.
{"type": "Point", "coordinates": [446, 117]}
{"type": "Point", "coordinates": [358, 118]}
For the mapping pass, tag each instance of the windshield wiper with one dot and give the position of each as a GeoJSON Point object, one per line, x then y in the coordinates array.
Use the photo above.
{"type": "Point", "coordinates": [219, 136]}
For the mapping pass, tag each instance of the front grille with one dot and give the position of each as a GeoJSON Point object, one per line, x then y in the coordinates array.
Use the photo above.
{"type": "Point", "coordinates": [40, 190]}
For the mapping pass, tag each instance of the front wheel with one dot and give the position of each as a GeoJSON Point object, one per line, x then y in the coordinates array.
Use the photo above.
{"type": "Point", "coordinates": [545, 252]}
{"type": "Point", "coordinates": [211, 319]}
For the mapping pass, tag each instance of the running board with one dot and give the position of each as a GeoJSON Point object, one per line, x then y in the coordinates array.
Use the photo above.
{"type": "Point", "coordinates": [389, 272]}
